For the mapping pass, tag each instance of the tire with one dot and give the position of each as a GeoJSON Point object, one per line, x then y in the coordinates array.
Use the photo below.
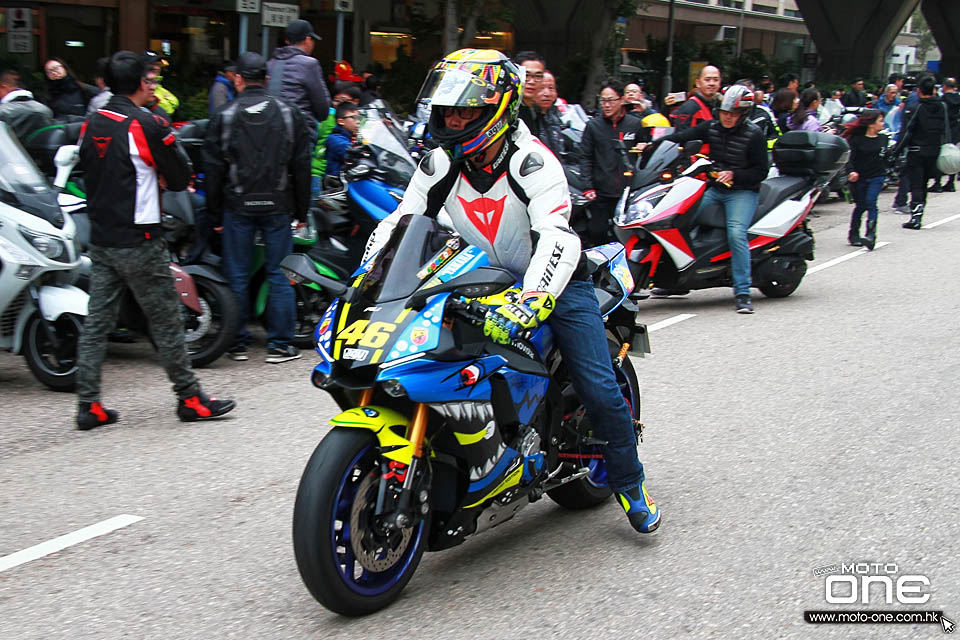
{"type": "Point", "coordinates": [777, 289]}
{"type": "Point", "coordinates": [56, 368]}
{"type": "Point", "coordinates": [343, 467]}
{"type": "Point", "coordinates": [208, 335]}
{"type": "Point", "coordinates": [593, 489]}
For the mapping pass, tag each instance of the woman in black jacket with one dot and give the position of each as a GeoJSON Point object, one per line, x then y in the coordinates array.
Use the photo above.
{"type": "Point", "coordinates": [867, 146]}
{"type": "Point", "coordinates": [66, 96]}
{"type": "Point", "coordinates": [923, 136]}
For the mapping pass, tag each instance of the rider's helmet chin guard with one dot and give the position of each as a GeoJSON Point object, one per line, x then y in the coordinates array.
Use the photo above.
{"type": "Point", "coordinates": [737, 99]}
{"type": "Point", "coordinates": [472, 78]}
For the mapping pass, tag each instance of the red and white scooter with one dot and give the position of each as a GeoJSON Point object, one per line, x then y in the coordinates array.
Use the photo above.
{"type": "Point", "coordinates": [666, 248]}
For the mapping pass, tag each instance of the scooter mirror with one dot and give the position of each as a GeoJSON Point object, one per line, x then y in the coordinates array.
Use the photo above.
{"type": "Point", "coordinates": [692, 147]}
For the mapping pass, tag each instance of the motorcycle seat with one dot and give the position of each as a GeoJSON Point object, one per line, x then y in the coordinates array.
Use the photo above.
{"type": "Point", "coordinates": [773, 191]}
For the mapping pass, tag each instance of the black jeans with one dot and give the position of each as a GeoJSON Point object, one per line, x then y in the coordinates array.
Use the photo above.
{"type": "Point", "coordinates": [921, 169]}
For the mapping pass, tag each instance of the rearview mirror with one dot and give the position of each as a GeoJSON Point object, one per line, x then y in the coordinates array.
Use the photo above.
{"type": "Point", "coordinates": [298, 267]}
{"type": "Point", "coordinates": [692, 147]}
{"type": "Point", "coordinates": [483, 281]}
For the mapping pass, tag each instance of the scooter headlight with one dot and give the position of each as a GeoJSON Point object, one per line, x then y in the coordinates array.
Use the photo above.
{"type": "Point", "coordinates": [639, 209]}
{"type": "Point", "coordinates": [48, 246]}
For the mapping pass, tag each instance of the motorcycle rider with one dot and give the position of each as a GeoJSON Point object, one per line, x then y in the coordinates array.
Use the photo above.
{"type": "Point", "coordinates": [739, 151]}
{"type": "Point", "coordinates": [128, 153]}
{"type": "Point", "coordinates": [521, 222]}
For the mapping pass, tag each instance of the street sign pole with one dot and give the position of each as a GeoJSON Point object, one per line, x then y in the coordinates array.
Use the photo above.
{"type": "Point", "coordinates": [339, 54]}
{"type": "Point", "coordinates": [244, 24]}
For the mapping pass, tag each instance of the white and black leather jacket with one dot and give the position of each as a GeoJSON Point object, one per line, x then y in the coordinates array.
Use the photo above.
{"type": "Point", "coordinates": [517, 210]}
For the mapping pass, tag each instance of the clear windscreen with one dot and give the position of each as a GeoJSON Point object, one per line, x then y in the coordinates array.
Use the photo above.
{"type": "Point", "coordinates": [387, 139]}
{"type": "Point", "coordinates": [18, 174]}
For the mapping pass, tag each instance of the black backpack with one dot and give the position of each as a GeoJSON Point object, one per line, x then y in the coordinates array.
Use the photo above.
{"type": "Point", "coordinates": [258, 139]}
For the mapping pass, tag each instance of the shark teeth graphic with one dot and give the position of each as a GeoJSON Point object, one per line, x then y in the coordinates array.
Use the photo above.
{"type": "Point", "coordinates": [488, 465]}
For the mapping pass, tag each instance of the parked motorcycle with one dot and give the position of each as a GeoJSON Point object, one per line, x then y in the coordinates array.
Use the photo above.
{"type": "Point", "coordinates": [208, 307]}
{"type": "Point", "coordinates": [443, 434]}
{"type": "Point", "coordinates": [667, 249]}
{"type": "Point", "coordinates": [41, 312]}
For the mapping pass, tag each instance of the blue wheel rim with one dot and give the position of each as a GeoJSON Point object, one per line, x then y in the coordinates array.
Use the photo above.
{"type": "Point", "coordinates": [358, 579]}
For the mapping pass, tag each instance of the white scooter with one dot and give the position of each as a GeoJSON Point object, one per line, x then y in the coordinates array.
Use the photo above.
{"type": "Point", "coordinates": [41, 312]}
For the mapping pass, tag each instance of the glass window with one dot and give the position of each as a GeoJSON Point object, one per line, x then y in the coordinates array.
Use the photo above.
{"type": "Point", "coordinates": [731, 4]}
{"type": "Point", "coordinates": [385, 45]}
{"type": "Point", "coordinates": [792, 13]}
{"type": "Point", "coordinates": [762, 8]}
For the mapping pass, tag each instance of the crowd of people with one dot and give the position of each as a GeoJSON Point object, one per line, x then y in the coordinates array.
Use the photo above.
{"type": "Point", "coordinates": [284, 110]}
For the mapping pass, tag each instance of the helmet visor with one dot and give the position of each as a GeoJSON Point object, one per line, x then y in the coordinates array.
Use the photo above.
{"type": "Point", "coordinates": [458, 88]}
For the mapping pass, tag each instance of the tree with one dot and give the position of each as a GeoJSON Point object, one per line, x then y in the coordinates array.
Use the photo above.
{"type": "Point", "coordinates": [463, 20]}
{"type": "Point", "coordinates": [925, 41]}
{"type": "Point", "coordinates": [604, 36]}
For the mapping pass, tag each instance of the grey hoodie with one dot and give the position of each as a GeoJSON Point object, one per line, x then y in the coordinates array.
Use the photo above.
{"type": "Point", "coordinates": [298, 78]}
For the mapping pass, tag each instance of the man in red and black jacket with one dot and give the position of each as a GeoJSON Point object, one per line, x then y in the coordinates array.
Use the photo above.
{"type": "Point", "coordinates": [128, 154]}
{"type": "Point", "coordinates": [602, 163]}
{"type": "Point", "coordinates": [699, 108]}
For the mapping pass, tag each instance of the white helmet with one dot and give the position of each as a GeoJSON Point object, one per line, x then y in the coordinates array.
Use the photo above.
{"type": "Point", "coordinates": [737, 99]}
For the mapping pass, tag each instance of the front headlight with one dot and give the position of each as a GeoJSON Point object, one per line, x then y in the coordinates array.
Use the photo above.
{"type": "Point", "coordinates": [48, 246]}
{"type": "Point", "coordinates": [638, 210]}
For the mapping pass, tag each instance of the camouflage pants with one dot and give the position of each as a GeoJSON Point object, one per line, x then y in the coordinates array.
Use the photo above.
{"type": "Point", "coordinates": [145, 270]}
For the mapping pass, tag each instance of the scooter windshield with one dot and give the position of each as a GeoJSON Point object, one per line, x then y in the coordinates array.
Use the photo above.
{"type": "Point", "coordinates": [22, 184]}
{"type": "Point", "coordinates": [387, 140]}
{"type": "Point", "coordinates": [653, 164]}
{"type": "Point", "coordinates": [399, 267]}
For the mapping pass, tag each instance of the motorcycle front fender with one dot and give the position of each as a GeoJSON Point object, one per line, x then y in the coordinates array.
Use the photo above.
{"type": "Point", "coordinates": [55, 301]}
{"type": "Point", "coordinates": [186, 288]}
{"type": "Point", "coordinates": [386, 424]}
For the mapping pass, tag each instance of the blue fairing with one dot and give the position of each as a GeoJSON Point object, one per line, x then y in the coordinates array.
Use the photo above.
{"type": "Point", "coordinates": [374, 197]}
{"type": "Point", "coordinates": [439, 381]}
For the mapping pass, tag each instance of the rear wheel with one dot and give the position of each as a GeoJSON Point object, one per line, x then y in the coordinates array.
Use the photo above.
{"type": "Point", "coordinates": [55, 365]}
{"type": "Point", "coordinates": [211, 332]}
{"type": "Point", "coordinates": [349, 562]}
{"type": "Point", "coordinates": [593, 489]}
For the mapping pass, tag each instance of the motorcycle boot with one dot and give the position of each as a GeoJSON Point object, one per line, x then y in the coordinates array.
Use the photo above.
{"type": "Point", "coordinates": [870, 237]}
{"type": "Point", "coordinates": [853, 236]}
{"type": "Point", "coordinates": [916, 218]}
{"type": "Point", "coordinates": [92, 414]}
{"type": "Point", "coordinates": [641, 510]}
{"type": "Point", "coordinates": [202, 407]}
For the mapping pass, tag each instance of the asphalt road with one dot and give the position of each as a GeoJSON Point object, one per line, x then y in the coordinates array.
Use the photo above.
{"type": "Point", "coordinates": [821, 430]}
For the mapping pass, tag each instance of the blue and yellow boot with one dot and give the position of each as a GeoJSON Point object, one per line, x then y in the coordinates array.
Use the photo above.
{"type": "Point", "coordinates": [640, 508]}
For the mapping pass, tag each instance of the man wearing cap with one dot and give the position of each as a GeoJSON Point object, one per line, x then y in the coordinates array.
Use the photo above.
{"type": "Point", "coordinates": [257, 159]}
{"type": "Point", "coordinates": [222, 91]}
{"type": "Point", "coordinates": [296, 76]}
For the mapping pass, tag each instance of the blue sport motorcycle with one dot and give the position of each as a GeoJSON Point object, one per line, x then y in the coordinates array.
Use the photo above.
{"type": "Point", "coordinates": [443, 433]}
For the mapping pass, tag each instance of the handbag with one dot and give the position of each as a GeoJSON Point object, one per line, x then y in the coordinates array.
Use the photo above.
{"type": "Point", "coordinates": [948, 162]}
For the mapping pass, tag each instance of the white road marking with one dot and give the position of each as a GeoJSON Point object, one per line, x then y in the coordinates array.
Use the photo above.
{"type": "Point", "coordinates": [670, 321]}
{"type": "Point", "coordinates": [940, 222]}
{"type": "Point", "coordinates": [844, 258]}
{"type": "Point", "coordinates": [68, 540]}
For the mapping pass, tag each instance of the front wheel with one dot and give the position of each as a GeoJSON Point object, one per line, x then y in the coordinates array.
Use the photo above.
{"type": "Point", "coordinates": [349, 562]}
{"type": "Point", "coordinates": [55, 365]}
{"type": "Point", "coordinates": [211, 332]}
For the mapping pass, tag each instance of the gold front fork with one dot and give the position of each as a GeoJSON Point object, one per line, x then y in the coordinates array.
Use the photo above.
{"type": "Point", "coordinates": [418, 429]}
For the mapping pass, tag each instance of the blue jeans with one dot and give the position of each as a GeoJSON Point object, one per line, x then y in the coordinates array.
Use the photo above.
{"type": "Point", "coordinates": [739, 207]}
{"type": "Point", "coordinates": [239, 233]}
{"type": "Point", "coordinates": [578, 331]}
{"type": "Point", "coordinates": [865, 194]}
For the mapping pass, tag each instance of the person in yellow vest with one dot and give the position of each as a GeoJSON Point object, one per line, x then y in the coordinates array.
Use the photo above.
{"type": "Point", "coordinates": [164, 98]}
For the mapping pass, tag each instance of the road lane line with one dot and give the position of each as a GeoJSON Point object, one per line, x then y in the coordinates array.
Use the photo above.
{"type": "Point", "coordinates": [940, 222]}
{"type": "Point", "coordinates": [843, 258]}
{"type": "Point", "coordinates": [670, 321]}
{"type": "Point", "coordinates": [64, 541]}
